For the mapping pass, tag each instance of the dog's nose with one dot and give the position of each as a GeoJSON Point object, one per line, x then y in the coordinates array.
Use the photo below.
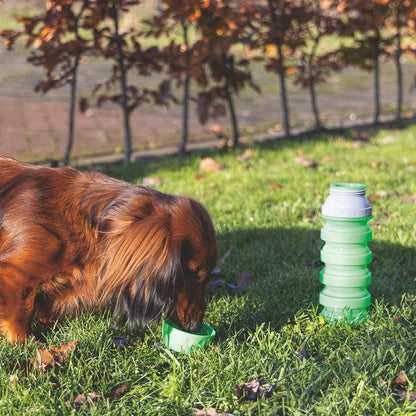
{"type": "Point", "coordinates": [194, 327]}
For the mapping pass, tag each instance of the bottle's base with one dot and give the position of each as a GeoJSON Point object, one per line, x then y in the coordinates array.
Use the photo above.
{"type": "Point", "coordinates": [348, 315]}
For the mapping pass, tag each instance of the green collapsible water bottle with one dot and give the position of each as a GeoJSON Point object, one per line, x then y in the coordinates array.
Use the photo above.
{"type": "Point", "coordinates": [345, 254]}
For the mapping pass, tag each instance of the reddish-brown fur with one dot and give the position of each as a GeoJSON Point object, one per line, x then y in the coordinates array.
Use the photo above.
{"type": "Point", "coordinates": [70, 239]}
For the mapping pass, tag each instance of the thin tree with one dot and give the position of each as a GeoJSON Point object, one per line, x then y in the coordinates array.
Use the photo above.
{"type": "Point", "coordinates": [367, 31]}
{"type": "Point", "coordinates": [314, 66]}
{"type": "Point", "coordinates": [124, 48]}
{"type": "Point", "coordinates": [279, 36]}
{"type": "Point", "coordinates": [56, 45]}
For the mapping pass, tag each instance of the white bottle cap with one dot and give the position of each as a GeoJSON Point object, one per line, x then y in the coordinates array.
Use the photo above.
{"type": "Point", "coordinates": [347, 200]}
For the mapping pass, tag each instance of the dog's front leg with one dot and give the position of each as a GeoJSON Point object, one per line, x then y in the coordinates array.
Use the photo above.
{"type": "Point", "coordinates": [16, 310]}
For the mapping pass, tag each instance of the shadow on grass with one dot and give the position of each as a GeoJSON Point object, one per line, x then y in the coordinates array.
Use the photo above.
{"type": "Point", "coordinates": [285, 264]}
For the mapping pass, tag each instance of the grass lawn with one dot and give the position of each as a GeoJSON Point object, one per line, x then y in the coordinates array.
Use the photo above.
{"type": "Point", "coordinates": [266, 209]}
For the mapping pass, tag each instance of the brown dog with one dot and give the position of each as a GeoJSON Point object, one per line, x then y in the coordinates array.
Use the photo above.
{"type": "Point", "coordinates": [70, 239]}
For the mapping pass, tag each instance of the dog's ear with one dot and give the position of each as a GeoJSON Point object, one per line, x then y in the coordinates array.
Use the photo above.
{"type": "Point", "coordinates": [141, 264]}
{"type": "Point", "coordinates": [125, 210]}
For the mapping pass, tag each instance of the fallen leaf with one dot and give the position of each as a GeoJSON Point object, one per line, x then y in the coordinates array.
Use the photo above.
{"type": "Point", "coordinates": [65, 349]}
{"type": "Point", "coordinates": [310, 215]}
{"type": "Point", "coordinates": [400, 380]}
{"type": "Point", "coordinates": [356, 144]}
{"type": "Point", "coordinates": [253, 390]}
{"type": "Point", "coordinates": [242, 282]}
{"type": "Point", "coordinates": [212, 286]}
{"type": "Point", "coordinates": [147, 181]}
{"type": "Point", "coordinates": [14, 381]}
{"type": "Point", "coordinates": [244, 279]}
{"type": "Point", "coordinates": [327, 159]}
{"type": "Point", "coordinates": [80, 399]}
{"type": "Point", "coordinates": [210, 412]}
{"type": "Point", "coordinates": [217, 129]}
{"type": "Point", "coordinates": [301, 160]}
{"type": "Point", "coordinates": [122, 341]}
{"type": "Point", "coordinates": [387, 140]}
{"type": "Point", "coordinates": [45, 360]}
{"type": "Point", "coordinates": [375, 164]}
{"type": "Point", "coordinates": [399, 320]}
{"type": "Point", "coordinates": [117, 393]}
{"type": "Point", "coordinates": [210, 165]}
{"type": "Point", "coordinates": [301, 353]}
{"type": "Point", "coordinates": [403, 395]}
{"type": "Point", "coordinates": [248, 154]}
{"type": "Point", "coordinates": [380, 194]}
{"type": "Point", "coordinates": [274, 185]}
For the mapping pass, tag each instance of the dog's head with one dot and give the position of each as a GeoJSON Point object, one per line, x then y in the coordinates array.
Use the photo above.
{"type": "Point", "coordinates": [161, 250]}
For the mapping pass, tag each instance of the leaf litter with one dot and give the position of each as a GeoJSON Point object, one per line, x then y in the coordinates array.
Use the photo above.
{"type": "Point", "coordinates": [47, 359]}
{"type": "Point", "coordinates": [253, 390]}
{"type": "Point", "coordinates": [210, 412]}
{"type": "Point", "coordinates": [242, 282]}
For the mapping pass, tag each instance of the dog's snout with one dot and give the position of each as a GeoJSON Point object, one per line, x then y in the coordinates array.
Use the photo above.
{"type": "Point", "coordinates": [194, 327]}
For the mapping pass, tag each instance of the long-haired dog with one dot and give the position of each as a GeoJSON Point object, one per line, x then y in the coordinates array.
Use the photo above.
{"type": "Point", "coordinates": [71, 240]}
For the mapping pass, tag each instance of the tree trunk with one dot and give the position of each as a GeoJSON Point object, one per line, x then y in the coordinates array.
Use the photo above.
{"type": "Point", "coordinates": [185, 102]}
{"type": "Point", "coordinates": [376, 88]}
{"type": "Point", "coordinates": [185, 115]}
{"type": "Point", "coordinates": [283, 93]}
{"type": "Point", "coordinates": [234, 121]}
{"type": "Point", "coordinates": [399, 86]}
{"type": "Point", "coordinates": [124, 96]}
{"type": "Point", "coordinates": [230, 102]}
{"type": "Point", "coordinates": [397, 56]}
{"type": "Point", "coordinates": [312, 92]}
{"type": "Point", "coordinates": [72, 112]}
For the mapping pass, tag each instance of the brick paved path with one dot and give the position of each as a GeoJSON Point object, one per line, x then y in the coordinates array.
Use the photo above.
{"type": "Point", "coordinates": [36, 130]}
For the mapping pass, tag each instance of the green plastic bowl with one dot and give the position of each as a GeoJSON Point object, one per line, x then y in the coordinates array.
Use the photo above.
{"type": "Point", "coordinates": [178, 340]}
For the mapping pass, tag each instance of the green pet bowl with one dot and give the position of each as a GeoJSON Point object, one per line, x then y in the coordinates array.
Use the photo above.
{"type": "Point", "coordinates": [178, 340]}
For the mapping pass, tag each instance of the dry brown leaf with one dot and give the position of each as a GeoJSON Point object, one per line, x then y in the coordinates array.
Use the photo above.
{"type": "Point", "coordinates": [380, 194]}
{"type": "Point", "coordinates": [217, 129]}
{"type": "Point", "coordinates": [327, 159]}
{"type": "Point", "coordinates": [403, 395]}
{"type": "Point", "coordinates": [242, 282]}
{"type": "Point", "coordinates": [301, 160]}
{"type": "Point", "coordinates": [244, 279]}
{"type": "Point", "coordinates": [117, 393]}
{"type": "Point", "coordinates": [210, 412]}
{"type": "Point", "coordinates": [147, 181]}
{"type": "Point", "coordinates": [122, 341]}
{"type": "Point", "coordinates": [376, 163]}
{"type": "Point", "coordinates": [210, 165]}
{"type": "Point", "coordinates": [310, 215]}
{"type": "Point", "coordinates": [400, 380]}
{"type": "Point", "coordinates": [45, 360]}
{"type": "Point", "coordinates": [302, 354]}
{"type": "Point", "coordinates": [253, 390]}
{"type": "Point", "coordinates": [80, 399]}
{"type": "Point", "coordinates": [14, 381]}
{"type": "Point", "coordinates": [274, 185]}
{"type": "Point", "coordinates": [248, 154]}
